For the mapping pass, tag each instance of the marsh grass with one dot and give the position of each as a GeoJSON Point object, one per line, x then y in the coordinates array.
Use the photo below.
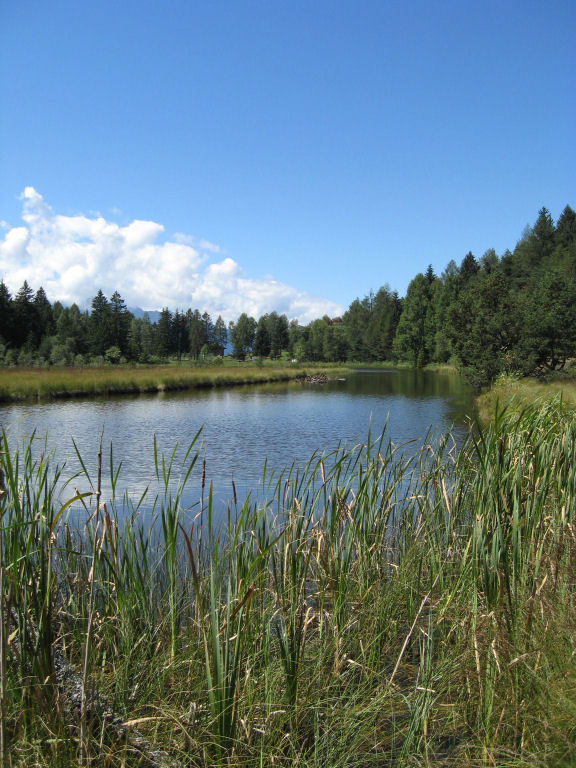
{"type": "Point", "coordinates": [45, 383]}
{"type": "Point", "coordinates": [381, 608]}
{"type": "Point", "coordinates": [516, 394]}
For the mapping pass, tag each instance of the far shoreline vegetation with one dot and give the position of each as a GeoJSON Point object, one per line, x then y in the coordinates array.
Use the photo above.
{"type": "Point", "coordinates": [25, 384]}
{"type": "Point", "coordinates": [19, 384]}
{"type": "Point", "coordinates": [510, 314]}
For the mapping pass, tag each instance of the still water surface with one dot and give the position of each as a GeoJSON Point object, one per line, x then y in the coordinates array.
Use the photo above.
{"type": "Point", "coordinates": [243, 427]}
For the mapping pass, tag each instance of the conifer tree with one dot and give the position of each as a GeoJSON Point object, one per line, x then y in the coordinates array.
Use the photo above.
{"type": "Point", "coordinates": [278, 329]}
{"type": "Point", "coordinates": [100, 325]}
{"type": "Point", "coordinates": [119, 323]}
{"type": "Point", "coordinates": [6, 315]}
{"type": "Point", "coordinates": [44, 316]}
{"type": "Point", "coordinates": [415, 334]}
{"type": "Point", "coordinates": [164, 345]}
{"type": "Point", "coordinates": [196, 333]}
{"type": "Point", "coordinates": [262, 337]}
{"type": "Point", "coordinates": [220, 336]}
{"type": "Point", "coordinates": [25, 319]}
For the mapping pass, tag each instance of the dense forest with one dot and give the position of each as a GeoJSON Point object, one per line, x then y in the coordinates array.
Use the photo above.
{"type": "Point", "coordinates": [510, 313]}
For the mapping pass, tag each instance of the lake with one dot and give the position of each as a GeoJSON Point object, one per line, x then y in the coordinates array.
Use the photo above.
{"type": "Point", "coordinates": [242, 427]}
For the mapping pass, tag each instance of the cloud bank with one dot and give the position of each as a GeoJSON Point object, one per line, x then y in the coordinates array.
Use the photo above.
{"type": "Point", "coordinates": [72, 257]}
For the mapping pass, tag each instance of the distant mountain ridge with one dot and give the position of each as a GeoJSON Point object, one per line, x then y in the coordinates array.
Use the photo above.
{"type": "Point", "coordinates": [153, 314]}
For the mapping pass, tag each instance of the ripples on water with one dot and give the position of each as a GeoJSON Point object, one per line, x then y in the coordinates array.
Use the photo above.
{"type": "Point", "coordinates": [242, 427]}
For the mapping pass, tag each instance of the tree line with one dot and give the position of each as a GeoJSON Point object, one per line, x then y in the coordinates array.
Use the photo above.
{"type": "Point", "coordinates": [510, 313]}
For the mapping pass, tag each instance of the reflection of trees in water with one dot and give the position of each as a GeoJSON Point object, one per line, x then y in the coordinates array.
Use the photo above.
{"type": "Point", "coordinates": [243, 427]}
{"type": "Point", "coordinates": [405, 382]}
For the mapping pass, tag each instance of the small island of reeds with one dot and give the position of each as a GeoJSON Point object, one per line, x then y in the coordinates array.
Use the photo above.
{"type": "Point", "coordinates": [65, 382]}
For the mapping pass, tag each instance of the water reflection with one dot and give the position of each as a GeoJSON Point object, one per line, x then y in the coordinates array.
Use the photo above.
{"type": "Point", "coordinates": [242, 427]}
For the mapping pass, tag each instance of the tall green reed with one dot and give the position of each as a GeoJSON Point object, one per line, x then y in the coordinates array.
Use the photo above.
{"type": "Point", "coordinates": [170, 511]}
{"type": "Point", "coordinates": [386, 597]}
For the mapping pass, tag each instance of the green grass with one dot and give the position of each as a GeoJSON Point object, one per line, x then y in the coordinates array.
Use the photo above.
{"type": "Point", "coordinates": [518, 394]}
{"type": "Point", "coordinates": [379, 610]}
{"type": "Point", "coordinates": [41, 383]}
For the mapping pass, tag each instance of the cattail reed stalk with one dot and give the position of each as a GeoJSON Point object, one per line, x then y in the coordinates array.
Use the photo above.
{"type": "Point", "coordinates": [3, 629]}
{"type": "Point", "coordinates": [201, 525]}
{"type": "Point", "coordinates": [84, 736]}
{"type": "Point", "coordinates": [406, 607]}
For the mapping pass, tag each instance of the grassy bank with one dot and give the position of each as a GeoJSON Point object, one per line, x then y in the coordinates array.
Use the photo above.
{"type": "Point", "coordinates": [378, 611]}
{"type": "Point", "coordinates": [518, 394]}
{"type": "Point", "coordinates": [46, 383]}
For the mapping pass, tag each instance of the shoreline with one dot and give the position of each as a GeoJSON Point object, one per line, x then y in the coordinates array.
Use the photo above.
{"type": "Point", "coordinates": [45, 384]}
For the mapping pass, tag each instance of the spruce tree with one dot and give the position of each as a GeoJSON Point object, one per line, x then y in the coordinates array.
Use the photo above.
{"type": "Point", "coordinates": [119, 323]}
{"type": "Point", "coordinates": [44, 316]}
{"type": "Point", "coordinates": [25, 318]}
{"type": "Point", "coordinates": [6, 315]}
{"type": "Point", "coordinates": [220, 336]}
{"type": "Point", "coordinates": [100, 325]}
{"type": "Point", "coordinates": [164, 342]}
{"type": "Point", "coordinates": [262, 337]}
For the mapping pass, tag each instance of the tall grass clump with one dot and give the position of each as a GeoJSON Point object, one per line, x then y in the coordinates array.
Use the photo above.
{"type": "Point", "coordinates": [382, 606]}
{"type": "Point", "coordinates": [517, 394]}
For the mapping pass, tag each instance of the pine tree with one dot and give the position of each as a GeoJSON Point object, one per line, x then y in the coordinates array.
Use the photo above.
{"type": "Point", "coordinates": [220, 336]}
{"type": "Point", "coordinates": [469, 268]}
{"type": "Point", "coordinates": [278, 327]}
{"type": "Point", "coordinates": [262, 338]}
{"type": "Point", "coordinates": [71, 330]}
{"type": "Point", "coordinates": [147, 338]}
{"type": "Point", "coordinates": [196, 333]}
{"type": "Point", "coordinates": [100, 325]}
{"type": "Point", "coordinates": [208, 329]}
{"type": "Point", "coordinates": [25, 319]}
{"type": "Point", "coordinates": [548, 321]}
{"type": "Point", "coordinates": [565, 238]}
{"type": "Point", "coordinates": [44, 315]}
{"type": "Point", "coordinates": [484, 328]}
{"type": "Point", "coordinates": [543, 235]}
{"type": "Point", "coordinates": [356, 321]}
{"type": "Point", "coordinates": [180, 334]}
{"type": "Point", "coordinates": [415, 334]}
{"type": "Point", "coordinates": [164, 345]}
{"type": "Point", "coordinates": [119, 323]}
{"type": "Point", "coordinates": [6, 315]}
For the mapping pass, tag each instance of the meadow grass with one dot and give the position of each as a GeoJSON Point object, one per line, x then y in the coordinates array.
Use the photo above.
{"type": "Point", "coordinates": [517, 394]}
{"type": "Point", "coordinates": [379, 609]}
{"type": "Point", "coordinates": [46, 383]}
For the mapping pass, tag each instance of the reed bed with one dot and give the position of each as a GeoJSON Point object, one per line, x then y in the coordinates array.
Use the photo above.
{"type": "Point", "coordinates": [381, 609]}
{"type": "Point", "coordinates": [46, 383]}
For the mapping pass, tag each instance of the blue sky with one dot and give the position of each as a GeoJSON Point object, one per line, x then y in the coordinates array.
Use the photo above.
{"type": "Point", "coordinates": [275, 154]}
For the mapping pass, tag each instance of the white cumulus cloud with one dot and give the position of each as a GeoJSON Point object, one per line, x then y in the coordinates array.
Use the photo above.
{"type": "Point", "coordinates": [72, 257]}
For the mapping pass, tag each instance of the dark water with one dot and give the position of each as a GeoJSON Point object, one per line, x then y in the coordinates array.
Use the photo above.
{"type": "Point", "coordinates": [243, 426]}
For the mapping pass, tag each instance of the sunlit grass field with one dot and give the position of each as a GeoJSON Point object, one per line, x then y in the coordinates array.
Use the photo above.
{"type": "Point", "coordinates": [517, 394]}
{"type": "Point", "coordinates": [380, 609]}
{"type": "Point", "coordinates": [29, 383]}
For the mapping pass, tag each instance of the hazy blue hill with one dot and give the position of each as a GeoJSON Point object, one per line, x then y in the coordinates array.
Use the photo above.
{"type": "Point", "coordinates": [153, 314]}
